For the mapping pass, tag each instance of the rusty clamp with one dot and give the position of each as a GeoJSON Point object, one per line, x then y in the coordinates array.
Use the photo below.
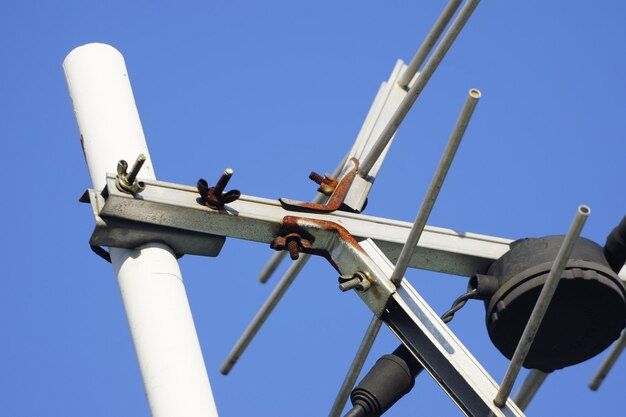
{"type": "Point", "coordinates": [335, 189]}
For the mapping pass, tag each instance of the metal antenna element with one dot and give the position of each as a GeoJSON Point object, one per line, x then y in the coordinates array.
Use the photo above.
{"type": "Point", "coordinates": [435, 186]}
{"type": "Point", "coordinates": [529, 388]}
{"type": "Point", "coordinates": [272, 264]}
{"type": "Point", "coordinates": [429, 42]}
{"type": "Point", "coordinates": [407, 250]}
{"type": "Point", "coordinates": [429, 68]}
{"type": "Point", "coordinates": [539, 311]}
{"type": "Point", "coordinates": [608, 363]}
{"type": "Point", "coordinates": [356, 366]}
{"type": "Point", "coordinates": [263, 313]}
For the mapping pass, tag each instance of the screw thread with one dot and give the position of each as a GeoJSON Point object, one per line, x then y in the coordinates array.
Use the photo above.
{"type": "Point", "coordinates": [315, 177]}
{"type": "Point", "coordinates": [132, 175]}
{"type": "Point", "coordinates": [293, 248]}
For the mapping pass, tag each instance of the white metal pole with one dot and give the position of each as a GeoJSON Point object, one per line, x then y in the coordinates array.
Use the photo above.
{"type": "Point", "coordinates": [149, 277]}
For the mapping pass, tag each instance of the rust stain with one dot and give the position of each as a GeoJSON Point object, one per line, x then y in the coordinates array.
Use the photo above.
{"type": "Point", "coordinates": [215, 197]}
{"type": "Point", "coordinates": [339, 192]}
{"type": "Point", "coordinates": [296, 236]}
{"type": "Point", "coordinates": [327, 183]}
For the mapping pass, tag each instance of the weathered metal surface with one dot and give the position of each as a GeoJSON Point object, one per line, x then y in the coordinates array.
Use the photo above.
{"type": "Point", "coordinates": [215, 197]}
{"type": "Point", "coordinates": [406, 313]}
{"type": "Point", "coordinates": [258, 219]}
{"type": "Point", "coordinates": [120, 233]}
{"type": "Point", "coordinates": [327, 183]}
{"type": "Point", "coordinates": [334, 201]}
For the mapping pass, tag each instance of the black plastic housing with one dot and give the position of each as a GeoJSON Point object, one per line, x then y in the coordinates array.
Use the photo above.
{"type": "Point", "coordinates": [586, 314]}
{"type": "Point", "coordinates": [615, 247]}
{"type": "Point", "coordinates": [391, 377]}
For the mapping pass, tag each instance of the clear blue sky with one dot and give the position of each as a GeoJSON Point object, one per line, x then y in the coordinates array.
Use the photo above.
{"type": "Point", "coordinates": [280, 89]}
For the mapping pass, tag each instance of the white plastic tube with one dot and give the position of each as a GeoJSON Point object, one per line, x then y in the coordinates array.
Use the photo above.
{"type": "Point", "coordinates": [149, 277]}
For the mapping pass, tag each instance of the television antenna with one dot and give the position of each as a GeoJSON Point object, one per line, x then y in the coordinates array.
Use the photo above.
{"type": "Point", "coordinates": [165, 220]}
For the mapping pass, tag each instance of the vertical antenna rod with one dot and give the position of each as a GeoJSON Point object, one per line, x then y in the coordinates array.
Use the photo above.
{"type": "Point", "coordinates": [429, 68]}
{"type": "Point", "coordinates": [429, 42]}
{"type": "Point", "coordinates": [529, 388]}
{"type": "Point", "coordinates": [149, 277]}
{"type": "Point", "coordinates": [435, 186]}
{"type": "Point", "coordinates": [539, 311]}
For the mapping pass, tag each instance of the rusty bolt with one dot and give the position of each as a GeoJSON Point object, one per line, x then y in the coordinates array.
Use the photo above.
{"type": "Point", "coordinates": [215, 197]}
{"type": "Point", "coordinates": [327, 183]}
{"type": "Point", "coordinates": [293, 248]}
{"type": "Point", "coordinates": [293, 243]}
{"type": "Point", "coordinates": [316, 178]}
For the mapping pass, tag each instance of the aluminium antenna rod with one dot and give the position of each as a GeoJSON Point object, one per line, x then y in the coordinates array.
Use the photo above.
{"type": "Point", "coordinates": [407, 249]}
{"type": "Point", "coordinates": [435, 59]}
{"type": "Point", "coordinates": [356, 366]}
{"type": "Point", "coordinates": [429, 43]}
{"type": "Point", "coordinates": [435, 186]}
{"type": "Point", "coordinates": [529, 388]}
{"type": "Point", "coordinates": [262, 315]}
{"type": "Point", "coordinates": [608, 362]}
{"type": "Point", "coordinates": [543, 302]}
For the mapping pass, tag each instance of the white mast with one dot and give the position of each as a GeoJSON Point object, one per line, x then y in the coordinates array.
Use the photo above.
{"type": "Point", "coordinates": [149, 277]}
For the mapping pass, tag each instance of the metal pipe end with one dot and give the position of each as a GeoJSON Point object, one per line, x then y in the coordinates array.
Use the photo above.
{"type": "Point", "coordinates": [228, 171]}
{"type": "Point", "coordinates": [584, 210]}
{"type": "Point", "coordinates": [226, 368]}
{"type": "Point", "coordinates": [475, 93]}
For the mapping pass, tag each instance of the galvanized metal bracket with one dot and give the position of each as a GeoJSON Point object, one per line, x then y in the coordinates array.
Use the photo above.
{"type": "Point", "coordinates": [167, 210]}
{"type": "Point", "coordinates": [334, 243]}
{"type": "Point", "coordinates": [129, 234]}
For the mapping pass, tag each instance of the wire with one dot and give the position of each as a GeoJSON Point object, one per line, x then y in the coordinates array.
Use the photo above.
{"type": "Point", "coordinates": [458, 304]}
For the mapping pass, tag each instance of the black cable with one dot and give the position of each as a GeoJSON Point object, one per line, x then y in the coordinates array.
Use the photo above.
{"type": "Point", "coordinates": [458, 304]}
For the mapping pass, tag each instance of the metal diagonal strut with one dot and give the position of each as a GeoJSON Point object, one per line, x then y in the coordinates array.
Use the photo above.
{"type": "Point", "coordinates": [412, 320]}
